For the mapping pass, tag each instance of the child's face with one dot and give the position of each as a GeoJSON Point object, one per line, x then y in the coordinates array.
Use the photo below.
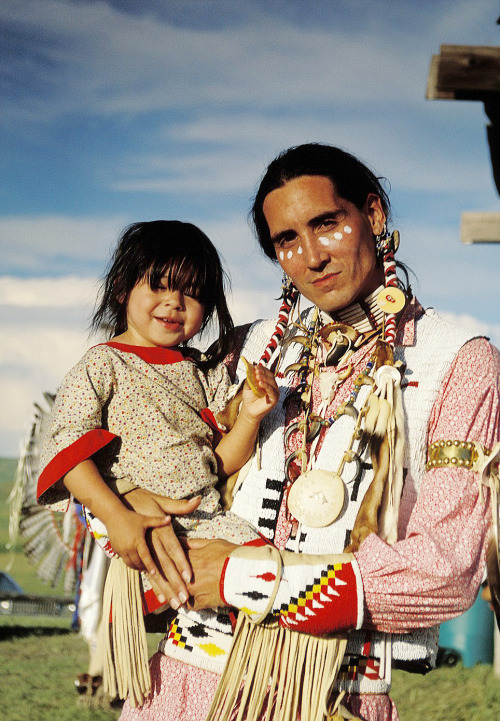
{"type": "Point", "coordinates": [162, 318]}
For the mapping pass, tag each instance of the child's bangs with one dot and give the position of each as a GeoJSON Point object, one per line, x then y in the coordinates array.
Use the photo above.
{"type": "Point", "coordinates": [188, 275]}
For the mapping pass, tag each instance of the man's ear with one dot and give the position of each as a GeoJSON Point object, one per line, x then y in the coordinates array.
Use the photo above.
{"type": "Point", "coordinates": [375, 213]}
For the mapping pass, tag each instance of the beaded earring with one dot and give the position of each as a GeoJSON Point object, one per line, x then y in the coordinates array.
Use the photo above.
{"type": "Point", "coordinates": [384, 241]}
{"type": "Point", "coordinates": [289, 297]}
{"type": "Point", "coordinates": [286, 284]}
{"type": "Point", "coordinates": [378, 242]}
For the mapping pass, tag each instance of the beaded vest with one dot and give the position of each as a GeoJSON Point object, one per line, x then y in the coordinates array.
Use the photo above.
{"type": "Point", "coordinates": [259, 495]}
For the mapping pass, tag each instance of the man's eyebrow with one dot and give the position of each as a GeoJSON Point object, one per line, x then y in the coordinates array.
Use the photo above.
{"type": "Point", "coordinates": [282, 235]}
{"type": "Point", "coordinates": [327, 215]}
{"type": "Point", "coordinates": [312, 223]}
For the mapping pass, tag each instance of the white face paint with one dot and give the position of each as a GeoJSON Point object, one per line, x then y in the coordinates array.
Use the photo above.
{"type": "Point", "coordinates": [324, 241]}
{"type": "Point", "coordinates": [347, 229]}
{"type": "Point", "coordinates": [299, 250]}
{"type": "Point", "coordinates": [282, 255]}
{"type": "Point", "coordinates": [289, 255]}
{"type": "Point", "coordinates": [338, 236]}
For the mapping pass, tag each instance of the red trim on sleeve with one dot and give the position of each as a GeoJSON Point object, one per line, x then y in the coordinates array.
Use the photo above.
{"type": "Point", "coordinates": [69, 457]}
{"type": "Point", "coordinates": [221, 581]}
{"type": "Point", "coordinates": [209, 418]}
{"type": "Point", "coordinates": [259, 542]}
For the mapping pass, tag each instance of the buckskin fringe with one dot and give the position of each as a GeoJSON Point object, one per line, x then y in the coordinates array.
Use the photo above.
{"type": "Point", "coordinates": [290, 674]}
{"type": "Point", "coordinates": [126, 669]}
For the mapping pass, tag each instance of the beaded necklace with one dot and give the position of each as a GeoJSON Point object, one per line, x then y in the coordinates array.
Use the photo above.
{"type": "Point", "coordinates": [317, 497]}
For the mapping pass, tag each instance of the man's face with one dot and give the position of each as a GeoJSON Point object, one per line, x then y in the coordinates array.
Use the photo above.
{"type": "Point", "coordinates": [323, 242]}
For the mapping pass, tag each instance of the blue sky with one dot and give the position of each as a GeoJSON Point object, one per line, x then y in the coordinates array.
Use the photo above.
{"type": "Point", "coordinates": [114, 112]}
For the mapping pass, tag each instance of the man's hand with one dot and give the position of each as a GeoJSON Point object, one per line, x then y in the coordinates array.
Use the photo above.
{"type": "Point", "coordinates": [170, 584]}
{"type": "Point", "coordinates": [207, 560]}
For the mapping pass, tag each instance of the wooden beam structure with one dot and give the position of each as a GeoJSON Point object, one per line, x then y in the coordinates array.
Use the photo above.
{"type": "Point", "coordinates": [471, 72]}
{"type": "Point", "coordinates": [480, 228]}
{"type": "Point", "coordinates": [465, 72]}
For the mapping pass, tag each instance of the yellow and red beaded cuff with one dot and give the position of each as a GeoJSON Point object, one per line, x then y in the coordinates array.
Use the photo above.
{"type": "Point", "coordinates": [312, 594]}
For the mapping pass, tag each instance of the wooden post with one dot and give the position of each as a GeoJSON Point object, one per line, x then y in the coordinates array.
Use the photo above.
{"type": "Point", "coordinates": [464, 72]}
{"type": "Point", "coordinates": [470, 72]}
{"type": "Point", "coordinates": [480, 228]}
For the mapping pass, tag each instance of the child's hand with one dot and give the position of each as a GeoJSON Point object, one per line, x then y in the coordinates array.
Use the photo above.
{"type": "Point", "coordinates": [257, 406]}
{"type": "Point", "coordinates": [127, 535]}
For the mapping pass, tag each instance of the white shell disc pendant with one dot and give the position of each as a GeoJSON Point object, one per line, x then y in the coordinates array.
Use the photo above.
{"type": "Point", "coordinates": [316, 498]}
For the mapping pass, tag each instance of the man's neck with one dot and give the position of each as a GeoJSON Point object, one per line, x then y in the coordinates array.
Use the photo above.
{"type": "Point", "coordinates": [364, 316]}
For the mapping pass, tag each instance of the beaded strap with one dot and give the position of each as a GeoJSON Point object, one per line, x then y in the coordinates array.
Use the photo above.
{"type": "Point", "coordinates": [391, 281]}
{"type": "Point", "coordinates": [290, 295]}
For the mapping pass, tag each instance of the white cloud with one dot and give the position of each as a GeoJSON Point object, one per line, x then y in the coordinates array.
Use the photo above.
{"type": "Point", "coordinates": [43, 292]}
{"type": "Point", "coordinates": [212, 172]}
{"type": "Point", "coordinates": [450, 276]}
{"type": "Point", "coordinates": [254, 140]}
{"type": "Point", "coordinates": [33, 360]}
{"type": "Point", "coordinates": [43, 323]}
{"type": "Point", "coordinates": [248, 305]}
{"type": "Point", "coordinates": [44, 353]}
{"type": "Point", "coordinates": [18, 396]}
{"type": "Point", "coordinates": [308, 81]}
{"type": "Point", "coordinates": [234, 240]}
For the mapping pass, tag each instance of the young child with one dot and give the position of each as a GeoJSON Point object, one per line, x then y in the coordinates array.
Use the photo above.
{"type": "Point", "coordinates": [139, 410]}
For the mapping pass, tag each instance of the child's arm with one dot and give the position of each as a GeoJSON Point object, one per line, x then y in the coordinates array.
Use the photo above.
{"type": "Point", "coordinates": [126, 529]}
{"type": "Point", "coordinates": [236, 446]}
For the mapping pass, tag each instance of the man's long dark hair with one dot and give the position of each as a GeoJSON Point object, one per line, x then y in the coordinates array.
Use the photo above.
{"type": "Point", "coordinates": [352, 179]}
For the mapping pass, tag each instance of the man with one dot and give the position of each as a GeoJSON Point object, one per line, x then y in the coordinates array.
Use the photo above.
{"type": "Point", "coordinates": [373, 388]}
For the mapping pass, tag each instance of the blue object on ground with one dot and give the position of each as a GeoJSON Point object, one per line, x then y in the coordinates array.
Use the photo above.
{"type": "Point", "coordinates": [471, 634]}
{"type": "Point", "coordinates": [7, 583]}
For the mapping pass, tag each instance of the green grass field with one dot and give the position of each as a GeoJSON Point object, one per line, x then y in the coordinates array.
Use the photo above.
{"type": "Point", "coordinates": [39, 661]}
{"type": "Point", "coordinates": [40, 658]}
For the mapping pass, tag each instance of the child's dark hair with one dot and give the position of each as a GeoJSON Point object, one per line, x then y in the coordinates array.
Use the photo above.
{"type": "Point", "coordinates": [181, 255]}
